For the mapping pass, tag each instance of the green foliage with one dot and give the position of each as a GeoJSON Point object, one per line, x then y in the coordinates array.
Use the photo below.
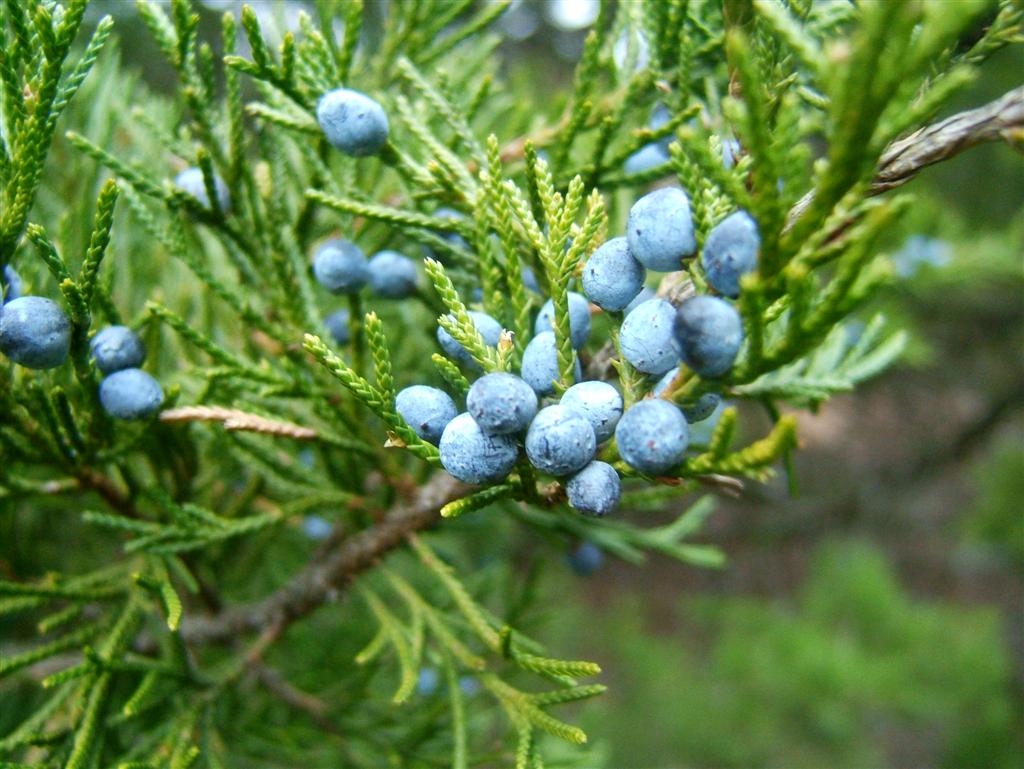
{"type": "Point", "coordinates": [807, 681]}
{"type": "Point", "coordinates": [190, 581]}
{"type": "Point", "coordinates": [995, 519]}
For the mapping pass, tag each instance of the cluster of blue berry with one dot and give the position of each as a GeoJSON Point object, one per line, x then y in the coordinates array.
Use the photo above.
{"type": "Point", "coordinates": [482, 444]}
{"type": "Point", "coordinates": [357, 125]}
{"type": "Point", "coordinates": [657, 153]}
{"type": "Point", "coordinates": [126, 392]}
{"type": "Point", "coordinates": [341, 267]}
{"type": "Point", "coordinates": [36, 333]}
{"type": "Point", "coordinates": [503, 411]}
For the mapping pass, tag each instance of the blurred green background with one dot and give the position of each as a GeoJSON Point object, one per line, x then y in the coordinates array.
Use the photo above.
{"type": "Point", "coordinates": [876, 618]}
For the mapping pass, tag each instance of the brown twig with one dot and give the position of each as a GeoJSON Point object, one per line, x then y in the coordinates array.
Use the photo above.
{"type": "Point", "coordinates": [726, 484]}
{"type": "Point", "coordinates": [95, 481]}
{"type": "Point", "coordinates": [319, 581]}
{"type": "Point", "coordinates": [1002, 119]}
{"type": "Point", "coordinates": [237, 420]}
{"type": "Point", "coordinates": [294, 697]}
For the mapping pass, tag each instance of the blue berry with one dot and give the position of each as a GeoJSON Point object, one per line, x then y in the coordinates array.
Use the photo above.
{"type": "Point", "coordinates": [34, 332]}
{"type": "Point", "coordinates": [340, 267]}
{"type": "Point", "coordinates": [352, 122]}
{"type": "Point", "coordinates": [427, 681]}
{"type": "Point", "coordinates": [708, 333]}
{"type": "Point", "coordinates": [644, 295]}
{"type": "Point", "coordinates": [560, 441]}
{"type": "Point", "coordinates": [469, 685]}
{"type": "Point", "coordinates": [579, 319]}
{"type": "Point", "coordinates": [11, 286]}
{"type": "Point", "coordinates": [646, 337]}
{"type": "Point", "coordinates": [585, 559]}
{"type": "Point", "coordinates": [472, 456]}
{"type": "Point", "coordinates": [647, 157]}
{"type": "Point", "coordinates": [660, 230]}
{"type": "Point", "coordinates": [117, 347]}
{"type": "Point", "coordinates": [730, 153]}
{"type": "Point", "coordinates": [316, 528]}
{"type": "Point", "coordinates": [337, 326]}
{"type": "Point", "coordinates": [130, 393]}
{"type": "Point", "coordinates": [501, 403]}
{"type": "Point", "coordinates": [392, 275]}
{"type": "Point", "coordinates": [427, 410]}
{"type": "Point", "coordinates": [490, 331]}
{"type": "Point", "coordinates": [652, 436]}
{"type": "Point", "coordinates": [594, 490]}
{"type": "Point", "coordinates": [659, 116]}
{"type": "Point", "coordinates": [453, 238]}
{"type": "Point", "coordinates": [540, 364]}
{"type": "Point", "coordinates": [612, 277]}
{"type": "Point", "coordinates": [921, 250]}
{"type": "Point", "coordinates": [191, 181]}
{"type": "Point", "coordinates": [530, 279]}
{"type": "Point", "coordinates": [599, 403]}
{"type": "Point", "coordinates": [702, 408]}
{"type": "Point", "coordinates": [696, 411]}
{"type": "Point", "coordinates": [730, 252]}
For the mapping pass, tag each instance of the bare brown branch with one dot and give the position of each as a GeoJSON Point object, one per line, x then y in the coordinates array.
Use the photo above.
{"type": "Point", "coordinates": [1002, 119]}
{"type": "Point", "coordinates": [237, 420]}
{"type": "Point", "coordinates": [319, 581]}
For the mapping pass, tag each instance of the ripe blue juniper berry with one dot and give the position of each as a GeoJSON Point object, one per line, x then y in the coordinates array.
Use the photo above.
{"type": "Point", "coordinates": [427, 410]}
{"type": "Point", "coordinates": [660, 115]}
{"type": "Point", "coordinates": [392, 275]}
{"type": "Point", "coordinates": [473, 456]}
{"type": "Point", "coordinates": [660, 230]}
{"type": "Point", "coordinates": [337, 326]}
{"type": "Point", "coordinates": [130, 393]}
{"type": "Point", "coordinates": [646, 337]}
{"type": "Point", "coordinates": [10, 284]}
{"type": "Point", "coordinates": [454, 238]}
{"type": "Point", "coordinates": [731, 252]}
{"type": "Point", "coordinates": [34, 332]}
{"type": "Point", "coordinates": [599, 402]}
{"type": "Point", "coordinates": [530, 279]}
{"type": "Point", "coordinates": [645, 294]}
{"type": "Point", "coordinates": [644, 159]}
{"type": "Point", "coordinates": [594, 490]}
{"type": "Point", "coordinates": [695, 411]}
{"type": "Point", "coordinates": [316, 527]}
{"type": "Point", "coordinates": [427, 681]}
{"type": "Point", "coordinates": [340, 266]}
{"type": "Point", "coordinates": [490, 332]}
{"type": "Point", "coordinates": [352, 122]}
{"type": "Point", "coordinates": [585, 559]}
{"type": "Point", "coordinates": [540, 364]}
{"type": "Point", "coordinates": [115, 348]}
{"type": "Point", "coordinates": [502, 404]}
{"type": "Point", "coordinates": [708, 332]}
{"type": "Point", "coordinates": [560, 441]}
{"type": "Point", "coordinates": [652, 436]}
{"type": "Point", "coordinates": [579, 319]}
{"type": "Point", "coordinates": [612, 278]}
{"type": "Point", "coordinates": [730, 153]}
{"type": "Point", "coordinates": [191, 181]}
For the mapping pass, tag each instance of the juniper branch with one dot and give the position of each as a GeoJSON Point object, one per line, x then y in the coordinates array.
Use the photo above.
{"type": "Point", "coordinates": [999, 120]}
{"type": "Point", "coordinates": [310, 588]}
